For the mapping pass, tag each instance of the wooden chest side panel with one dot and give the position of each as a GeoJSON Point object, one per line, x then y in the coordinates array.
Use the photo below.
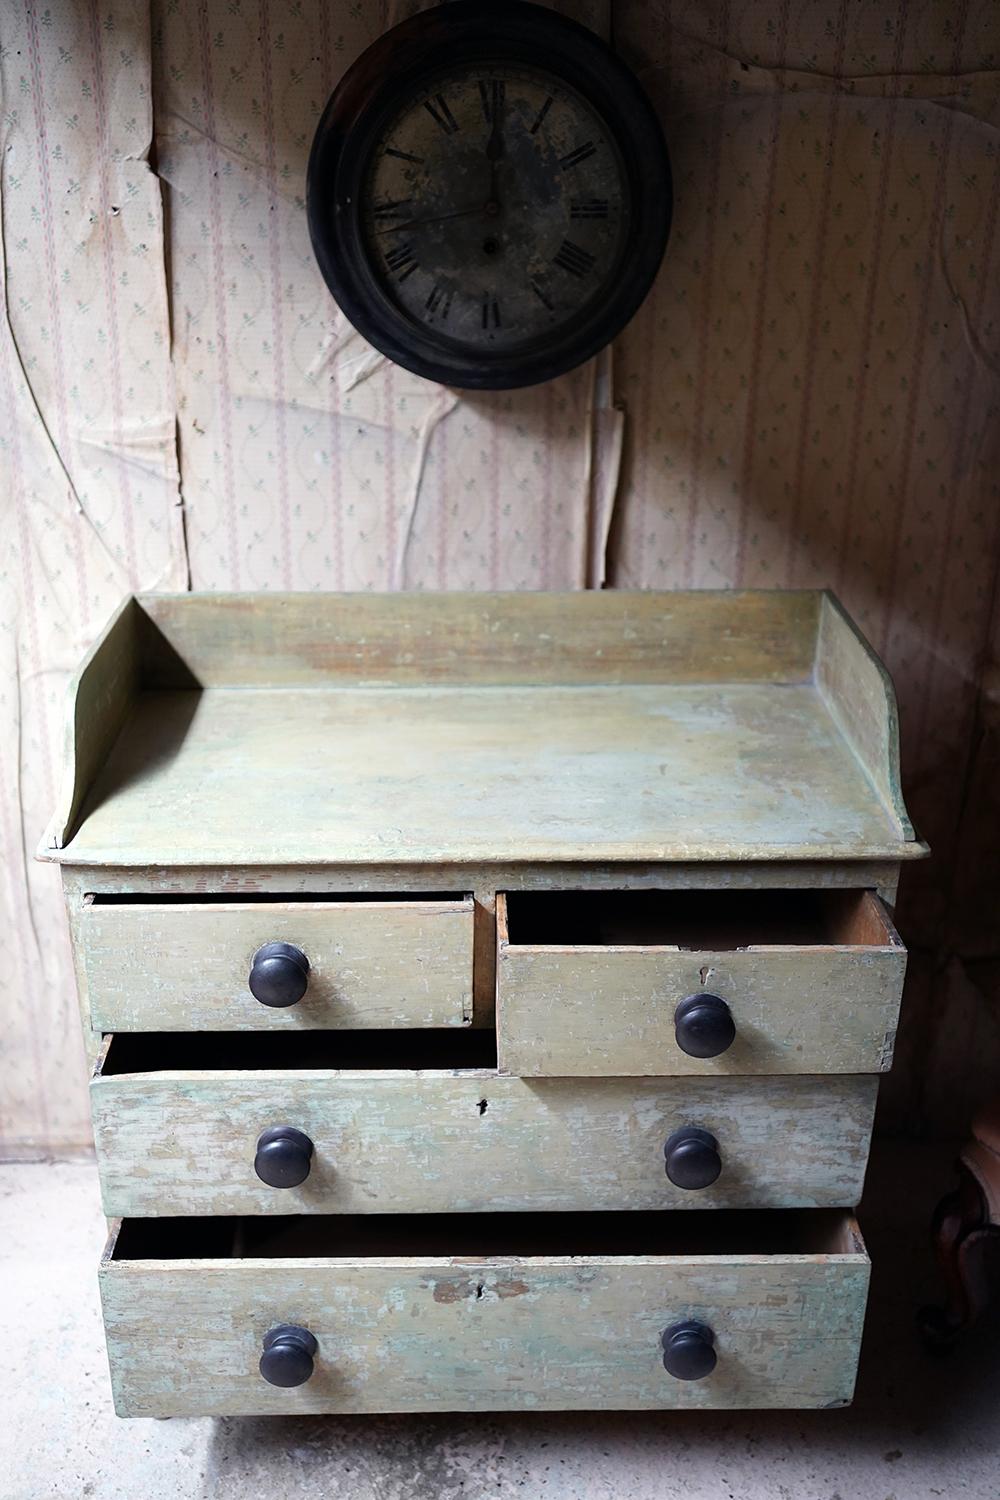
{"type": "Point", "coordinates": [860, 696]}
{"type": "Point", "coordinates": [98, 703]}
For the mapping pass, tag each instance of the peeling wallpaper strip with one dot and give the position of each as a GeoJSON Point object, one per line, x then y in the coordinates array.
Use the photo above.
{"type": "Point", "coordinates": [88, 469]}
{"type": "Point", "coordinates": [808, 397]}
{"type": "Point", "coordinates": [307, 456]}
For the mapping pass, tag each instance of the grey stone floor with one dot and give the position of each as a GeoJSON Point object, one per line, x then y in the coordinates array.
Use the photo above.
{"type": "Point", "coordinates": [919, 1428]}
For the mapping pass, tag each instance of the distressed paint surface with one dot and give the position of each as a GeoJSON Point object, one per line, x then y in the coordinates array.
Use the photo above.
{"type": "Point", "coordinates": [582, 1011]}
{"type": "Point", "coordinates": [406, 1142]}
{"type": "Point", "coordinates": [234, 880]}
{"type": "Point", "coordinates": [185, 967]}
{"type": "Point", "coordinates": [481, 745]}
{"type": "Point", "coordinates": [407, 774]}
{"type": "Point", "coordinates": [586, 727]}
{"type": "Point", "coordinates": [322, 639]}
{"type": "Point", "coordinates": [484, 879]}
{"type": "Point", "coordinates": [544, 1333]}
{"type": "Point", "coordinates": [858, 692]}
{"type": "Point", "coordinates": [100, 696]}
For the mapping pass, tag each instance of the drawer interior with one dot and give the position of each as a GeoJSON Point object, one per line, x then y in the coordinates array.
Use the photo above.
{"type": "Point", "coordinates": [267, 1051]}
{"type": "Point", "coordinates": [710, 920]}
{"type": "Point", "coordinates": [461, 1236]}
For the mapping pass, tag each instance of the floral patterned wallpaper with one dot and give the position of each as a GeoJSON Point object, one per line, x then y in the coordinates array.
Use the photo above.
{"type": "Point", "coordinates": [808, 397]}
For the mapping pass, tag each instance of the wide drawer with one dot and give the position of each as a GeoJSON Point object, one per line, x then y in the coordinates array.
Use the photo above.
{"type": "Point", "coordinates": [179, 1121]}
{"type": "Point", "coordinates": [185, 964]}
{"type": "Point", "coordinates": [511, 1312]}
{"type": "Point", "coordinates": [590, 982]}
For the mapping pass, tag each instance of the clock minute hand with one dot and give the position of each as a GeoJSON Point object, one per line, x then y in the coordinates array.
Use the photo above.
{"type": "Point", "coordinates": [495, 145]}
{"type": "Point", "coordinates": [458, 213]}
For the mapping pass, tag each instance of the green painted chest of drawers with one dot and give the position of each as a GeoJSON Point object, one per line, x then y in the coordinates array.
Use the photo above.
{"type": "Point", "coordinates": [487, 995]}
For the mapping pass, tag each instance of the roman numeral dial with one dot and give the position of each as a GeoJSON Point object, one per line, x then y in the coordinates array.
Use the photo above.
{"type": "Point", "coordinates": [402, 261]}
{"type": "Point", "coordinates": [441, 114]}
{"type": "Point", "coordinates": [574, 259]}
{"type": "Point", "coordinates": [494, 205]}
{"type": "Point", "coordinates": [488, 193]}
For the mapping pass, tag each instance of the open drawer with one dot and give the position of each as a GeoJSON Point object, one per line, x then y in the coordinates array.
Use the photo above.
{"type": "Point", "coordinates": [509, 1312]}
{"type": "Point", "coordinates": [420, 1121]}
{"type": "Point", "coordinates": [214, 963]}
{"type": "Point", "coordinates": [696, 982]}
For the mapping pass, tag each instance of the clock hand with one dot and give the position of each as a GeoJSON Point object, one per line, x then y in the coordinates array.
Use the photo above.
{"type": "Point", "coordinates": [458, 213]}
{"type": "Point", "coordinates": [495, 145]}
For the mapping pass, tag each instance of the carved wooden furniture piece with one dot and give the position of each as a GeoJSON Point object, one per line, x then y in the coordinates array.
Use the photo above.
{"type": "Point", "coordinates": [966, 1236]}
{"type": "Point", "coordinates": [487, 995]}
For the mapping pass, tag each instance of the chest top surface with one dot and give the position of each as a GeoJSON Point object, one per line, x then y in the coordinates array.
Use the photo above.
{"type": "Point", "coordinates": [450, 728]}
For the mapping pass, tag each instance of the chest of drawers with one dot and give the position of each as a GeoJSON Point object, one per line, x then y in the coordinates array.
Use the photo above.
{"type": "Point", "coordinates": [486, 995]}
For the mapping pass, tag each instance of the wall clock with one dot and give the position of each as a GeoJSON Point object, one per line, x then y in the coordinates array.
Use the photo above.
{"type": "Point", "coordinates": [489, 194]}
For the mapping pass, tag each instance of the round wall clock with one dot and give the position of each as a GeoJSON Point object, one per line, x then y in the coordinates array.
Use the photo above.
{"type": "Point", "coordinates": [489, 194]}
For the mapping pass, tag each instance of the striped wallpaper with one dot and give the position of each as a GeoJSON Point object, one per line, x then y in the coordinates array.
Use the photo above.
{"type": "Point", "coordinates": [808, 397]}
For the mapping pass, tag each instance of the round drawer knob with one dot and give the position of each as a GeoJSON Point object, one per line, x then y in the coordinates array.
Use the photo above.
{"type": "Point", "coordinates": [689, 1350]}
{"type": "Point", "coordinates": [288, 1355]}
{"type": "Point", "coordinates": [283, 1157]}
{"type": "Point", "coordinates": [704, 1026]}
{"type": "Point", "coordinates": [279, 974]}
{"type": "Point", "coordinates": [692, 1157]}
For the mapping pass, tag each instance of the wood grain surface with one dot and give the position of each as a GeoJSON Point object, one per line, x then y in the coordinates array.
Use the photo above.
{"type": "Point", "coordinates": [483, 1334]}
{"type": "Point", "coordinates": [301, 729]}
{"type": "Point", "coordinates": [183, 1142]}
{"type": "Point", "coordinates": [573, 1011]}
{"type": "Point", "coordinates": [184, 966]}
{"type": "Point", "coordinates": [419, 775]}
{"type": "Point", "coordinates": [398, 639]}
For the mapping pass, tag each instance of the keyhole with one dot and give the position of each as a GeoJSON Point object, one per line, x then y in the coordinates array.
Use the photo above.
{"type": "Point", "coordinates": [490, 246]}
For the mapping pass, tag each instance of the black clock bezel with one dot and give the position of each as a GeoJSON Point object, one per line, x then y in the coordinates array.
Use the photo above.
{"type": "Point", "coordinates": [492, 33]}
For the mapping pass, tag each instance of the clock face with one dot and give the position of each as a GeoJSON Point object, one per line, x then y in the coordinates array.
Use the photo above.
{"type": "Point", "coordinates": [488, 194]}
{"type": "Point", "coordinates": [495, 207]}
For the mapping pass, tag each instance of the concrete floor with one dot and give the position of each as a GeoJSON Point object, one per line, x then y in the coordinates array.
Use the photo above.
{"type": "Point", "coordinates": [919, 1428]}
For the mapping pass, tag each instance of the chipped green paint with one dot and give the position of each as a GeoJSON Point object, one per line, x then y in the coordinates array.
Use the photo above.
{"type": "Point", "coordinates": [184, 967]}
{"type": "Point", "coordinates": [539, 1332]}
{"type": "Point", "coordinates": [405, 1142]}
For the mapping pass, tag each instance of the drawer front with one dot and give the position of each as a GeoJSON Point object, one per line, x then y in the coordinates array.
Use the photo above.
{"type": "Point", "coordinates": [437, 1142]}
{"type": "Point", "coordinates": [486, 1333]}
{"type": "Point", "coordinates": [590, 1010]}
{"type": "Point", "coordinates": [186, 967]}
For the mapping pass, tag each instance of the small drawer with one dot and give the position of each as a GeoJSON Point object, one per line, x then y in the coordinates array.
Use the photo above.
{"type": "Point", "coordinates": [407, 1122]}
{"type": "Point", "coordinates": [637, 983]}
{"type": "Point", "coordinates": [510, 1312]}
{"type": "Point", "coordinates": [215, 964]}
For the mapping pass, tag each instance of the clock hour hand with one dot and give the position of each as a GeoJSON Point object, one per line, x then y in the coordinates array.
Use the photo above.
{"type": "Point", "coordinates": [458, 213]}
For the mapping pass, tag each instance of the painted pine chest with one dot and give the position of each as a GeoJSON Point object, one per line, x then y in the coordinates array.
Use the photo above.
{"type": "Point", "coordinates": [487, 995]}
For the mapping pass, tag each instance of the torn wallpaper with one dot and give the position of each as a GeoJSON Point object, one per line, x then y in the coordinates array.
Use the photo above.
{"type": "Point", "coordinates": [808, 397]}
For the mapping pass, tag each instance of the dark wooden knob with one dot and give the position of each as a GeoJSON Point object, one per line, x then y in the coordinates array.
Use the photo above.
{"type": "Point", "coordinates": [288, 1355]}
{"type": "Point", "coordinates": [704, 1026]}
{"type": "Point", "coordinates": [692, 1157]}
{"type": "Point", "coordinates": [689, 1350]}
{"type": "Point", "coordinates": [279, 974]}
{"type": "Point", "coordinates": [283, 1157]}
